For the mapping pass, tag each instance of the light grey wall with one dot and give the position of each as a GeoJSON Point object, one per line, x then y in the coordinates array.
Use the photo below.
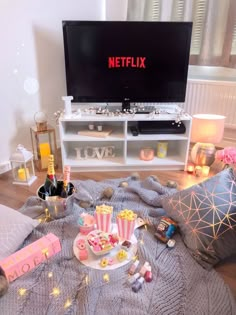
{"type": "Point", "coordinates": [32, 55]}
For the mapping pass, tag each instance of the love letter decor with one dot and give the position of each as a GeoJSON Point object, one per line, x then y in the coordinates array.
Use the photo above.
{"type": "Point", "coordinates": [95, 152]}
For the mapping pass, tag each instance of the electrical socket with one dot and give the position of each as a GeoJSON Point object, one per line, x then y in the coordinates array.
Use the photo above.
{"type": "Point", "coordinates": [5, 167]}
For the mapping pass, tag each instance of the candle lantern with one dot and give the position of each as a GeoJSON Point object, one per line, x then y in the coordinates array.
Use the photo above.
{"type": "Point", "coordinates": [22, 166]}
{"type": "Point", "coordinates": [43, 144]}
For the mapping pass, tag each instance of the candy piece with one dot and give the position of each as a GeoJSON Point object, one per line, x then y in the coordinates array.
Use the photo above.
{"type": "Point", "coordinates": [103, 262]}
{"type": "Point", "coordinates": [121, 255]}
{"type": "Point", "coordinates": [81, 244]}
{"type": "Point", "coordinates": [83, 254]}
{"type": "Point", "coordinates": [133, 267]}
{"type": "Point", "coordinates": [126, 244]}
{"type": "Point", "coordinates": [111, 261]}
{"type": "Point", "coordinates": [138, 284]}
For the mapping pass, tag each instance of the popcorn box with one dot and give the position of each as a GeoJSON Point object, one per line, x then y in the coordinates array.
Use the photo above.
{"type": "Point", "coordinates": [103, 217]}
{"type": "Point", "coordinates": [125, 228]}
{"type": "Point", "coordinates": [30, 256]}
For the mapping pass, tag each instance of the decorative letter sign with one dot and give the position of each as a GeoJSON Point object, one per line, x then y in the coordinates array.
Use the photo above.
{"type": "Point", "coordinates": [95, 152]}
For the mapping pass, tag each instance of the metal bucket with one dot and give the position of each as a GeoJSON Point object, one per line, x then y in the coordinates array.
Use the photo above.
{"type": "Point", "coordinates": [56, 205]}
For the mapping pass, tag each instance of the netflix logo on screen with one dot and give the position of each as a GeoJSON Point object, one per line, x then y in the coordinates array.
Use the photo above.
{"type": "Point", "coordinates": [126, 62]}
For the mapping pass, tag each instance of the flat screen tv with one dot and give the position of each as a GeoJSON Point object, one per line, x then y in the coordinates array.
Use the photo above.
{"type": "Point", "coordinates": [111, 61]}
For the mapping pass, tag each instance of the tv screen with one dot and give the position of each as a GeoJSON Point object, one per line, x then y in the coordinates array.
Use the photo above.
{"type": "Point", "coordinates": [110, 61]}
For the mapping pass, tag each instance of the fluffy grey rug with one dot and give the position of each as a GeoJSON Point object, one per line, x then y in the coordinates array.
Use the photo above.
{"type": "Point", "coordinates": [180, 285]}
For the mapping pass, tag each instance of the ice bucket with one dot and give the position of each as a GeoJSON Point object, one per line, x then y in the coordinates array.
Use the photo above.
{"type": "Point", "coordinates": [57, 207]}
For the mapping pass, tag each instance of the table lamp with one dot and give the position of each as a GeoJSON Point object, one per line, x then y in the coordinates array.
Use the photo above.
{"type": "Point", "coordinates": [207, 130]}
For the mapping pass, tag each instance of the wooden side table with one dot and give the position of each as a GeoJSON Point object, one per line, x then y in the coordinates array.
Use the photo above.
{"type": "Point", "coordinates": [43, 144]}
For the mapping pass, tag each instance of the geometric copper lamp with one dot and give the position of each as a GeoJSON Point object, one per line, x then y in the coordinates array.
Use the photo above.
{"type": "Point", "coordinates": [207, 130]}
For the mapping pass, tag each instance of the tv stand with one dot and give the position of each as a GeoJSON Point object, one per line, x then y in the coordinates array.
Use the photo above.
{"type": "Point", "coordinates": [117, 147]}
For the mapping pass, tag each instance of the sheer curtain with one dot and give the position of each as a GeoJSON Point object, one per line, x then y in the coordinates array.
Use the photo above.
{"type": "Point", "coordinates": [214, 26]}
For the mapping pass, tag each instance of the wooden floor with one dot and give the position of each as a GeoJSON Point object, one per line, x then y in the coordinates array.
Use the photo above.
{"type": "Point", "coordinates": [15, 196]}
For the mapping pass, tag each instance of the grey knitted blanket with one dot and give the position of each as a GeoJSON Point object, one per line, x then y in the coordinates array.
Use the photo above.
{"type": "Point", "coordinates": [180, 285]}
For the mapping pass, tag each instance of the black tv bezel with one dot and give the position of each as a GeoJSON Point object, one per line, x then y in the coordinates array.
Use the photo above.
{"type": "Point", "coordinates": [125, 100]}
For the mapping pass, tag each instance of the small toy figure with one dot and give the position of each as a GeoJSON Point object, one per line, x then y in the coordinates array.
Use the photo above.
{"type": "Point", "coordinates": [165, 229]}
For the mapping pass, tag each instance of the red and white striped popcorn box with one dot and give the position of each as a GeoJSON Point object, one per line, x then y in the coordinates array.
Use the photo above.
{"type": "Point", "coordinates": [125, 228]}
{"type": "Point", "coordinates": [103, 221]}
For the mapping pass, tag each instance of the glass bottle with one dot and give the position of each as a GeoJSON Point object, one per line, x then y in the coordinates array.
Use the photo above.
{"type": "Point", "coordinates": [65, 191]}
{"type": "Point", "coordinates": [50, 185]}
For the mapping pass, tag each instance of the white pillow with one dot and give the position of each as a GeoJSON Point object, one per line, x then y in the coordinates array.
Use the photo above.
{"type": "Point", "coordinates": [14, 228]}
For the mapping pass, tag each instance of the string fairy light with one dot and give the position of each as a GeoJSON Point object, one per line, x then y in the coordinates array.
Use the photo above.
{"type": "Point", "coordinates": [22, 291]}
{"type": "Point", "coordinates": [68, 303]}
{"type": "Point", "coordinates": [50, 274]}
{"type": "Point", "coordinates": [106, 277]}
{"type": "Point", "coordinates": [55, 292]}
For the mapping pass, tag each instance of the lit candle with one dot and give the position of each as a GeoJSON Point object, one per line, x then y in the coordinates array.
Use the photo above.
{"type": "Point", "coordinates": [44, 149]}
{"type": "Point", "coordinates": [198, 171]}
{"type": "Point", "coordinates": [205, 170]}
{"type": "Point", "coordinates": [190, 169]}
{"type": "Point", "coordinates": [23, 174]}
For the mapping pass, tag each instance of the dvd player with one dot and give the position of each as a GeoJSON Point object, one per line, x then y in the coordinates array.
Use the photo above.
{"type": "Point", "coordinates": [161, 127]}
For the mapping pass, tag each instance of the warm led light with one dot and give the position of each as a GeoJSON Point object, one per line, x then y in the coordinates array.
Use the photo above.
{"type": "Point", "coordinates": [106, 277]}
{"type": "Point", "coordinates": [141, 242]}
{"type": "Point", "coordinates": [55, 292]}
{"type": "Point", "coordinates": [50, 274]}
{"type": "Point", "coordinates": [68, 303]}
{"type": "Point", "coordinates": [134, 258]}
{"type": "Point", "coordinates": [205, 170]}
{"type": "Point", "coordinates": [87, 279]}
{"type": "Point", "coordinates": [22, 291]}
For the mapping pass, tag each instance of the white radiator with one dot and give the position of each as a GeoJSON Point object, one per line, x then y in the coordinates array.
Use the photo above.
{"type": "Point", "coordinates": [212, 97]}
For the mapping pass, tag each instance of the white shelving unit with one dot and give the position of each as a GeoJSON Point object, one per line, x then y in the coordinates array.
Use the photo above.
{"type": "Point", "coordinates": [126, 146]}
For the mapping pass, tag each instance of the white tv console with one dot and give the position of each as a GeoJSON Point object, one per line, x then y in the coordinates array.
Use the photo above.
{"type": "Point", "coordinates": [125, 146]}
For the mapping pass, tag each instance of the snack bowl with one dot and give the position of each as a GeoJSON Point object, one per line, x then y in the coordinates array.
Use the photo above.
{"type": "Point", "coordinates": [101, 242]}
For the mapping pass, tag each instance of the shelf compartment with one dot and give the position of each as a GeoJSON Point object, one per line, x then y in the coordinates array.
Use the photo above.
{"type": "Point", "coordinates": [89, 153]}
{"type": "Point", "coordinates": [175, 152]}
{"type": "Point", "coordinates": [70, 131]}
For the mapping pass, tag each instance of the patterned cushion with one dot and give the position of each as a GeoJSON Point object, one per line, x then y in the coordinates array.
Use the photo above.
{"type": "Point", "coordinates": [206, 215]}
{"type": "Point", "coordinates": [14, 228]}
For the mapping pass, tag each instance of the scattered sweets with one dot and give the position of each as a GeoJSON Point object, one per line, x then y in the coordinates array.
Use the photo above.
{"type": "Point", "coordinates": [101, 242]}
{"type": "Point", "coordinates": [80, 244]}
{"type": "Point", "coordinates": [126, 245]}
{"type": "Point", "coordinates": [83, 254]}
{"type": "Point", "coordinates": [104, 262]}
{"type": "Point", "coordinates": [121, 255]}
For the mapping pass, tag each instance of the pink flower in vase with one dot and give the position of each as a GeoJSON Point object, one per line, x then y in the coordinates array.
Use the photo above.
{"type": "Point", "coordinates": [226, 155]}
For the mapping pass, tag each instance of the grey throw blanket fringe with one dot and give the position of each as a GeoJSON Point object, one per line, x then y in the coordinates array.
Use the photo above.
{"type": "Point", "coordinates": [180, 285]}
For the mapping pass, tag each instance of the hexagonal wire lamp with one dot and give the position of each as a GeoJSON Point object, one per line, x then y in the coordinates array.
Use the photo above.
{"type": "Point", "coordinates": [207, 130]}
{"type": "Point", "coordinates": [22, 166]}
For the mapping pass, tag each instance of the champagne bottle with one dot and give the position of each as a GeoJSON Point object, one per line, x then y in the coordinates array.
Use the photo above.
{"type": "Point", "coordinates": [50, 185]}
{"type": "Point", "coordinates": [66, 182]}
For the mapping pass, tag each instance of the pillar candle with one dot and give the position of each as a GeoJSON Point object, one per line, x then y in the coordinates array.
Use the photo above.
{"type": "Point", "coordinates": [23, 174]}
{"type": "Point", "coordinates": [198, 171]}
{"type": "Point", "coordinates": [44, 149]}
{"type": "Point", "coordinates": [205, 170]}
